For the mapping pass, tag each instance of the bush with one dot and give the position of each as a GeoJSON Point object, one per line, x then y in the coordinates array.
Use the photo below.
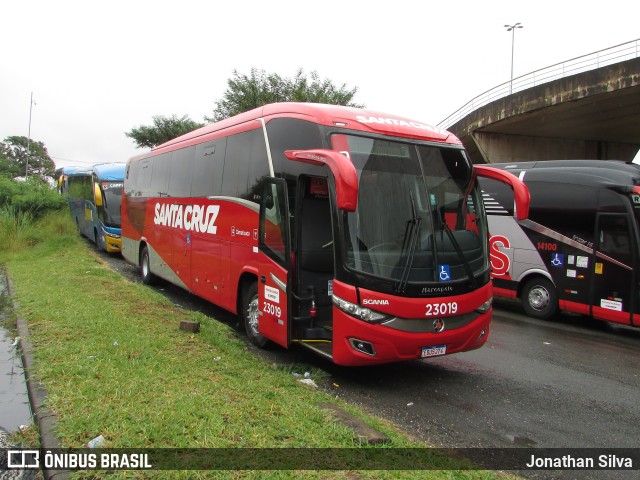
{"type": "Point", "coordinates": [33, 196]}
{"type": "Point", "coordinates": [15, 228]}
{"type": "Point", "coordinates": [19, 230]}
{"type": "Point", "coordinates": [21, 205]}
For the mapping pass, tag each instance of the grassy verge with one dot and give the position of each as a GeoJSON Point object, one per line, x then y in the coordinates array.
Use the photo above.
{"type": "Point", "coordinates": [114, 363]}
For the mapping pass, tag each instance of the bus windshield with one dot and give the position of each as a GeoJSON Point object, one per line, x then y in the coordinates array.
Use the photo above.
{"type": "Point", "coordinates": [419, 217]}
{"type": "Point", "coordinates": [112, 195]}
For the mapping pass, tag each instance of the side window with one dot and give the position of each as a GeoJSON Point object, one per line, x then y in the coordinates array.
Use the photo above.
{"type": "Point", "coordinates": [131, 177]}
{"type": "Point", "coordinates": [236, 166]}
{"type": "Point", "coordinates": [293, 134]}
{"type": "Point", "coordinates": [208, 168]}
{"type": "Point", "coordinates": [181, 172]}
{"type": "Point", "coordinates": [144, 178]}
{"type": "Point", "coordinates": [259, 166]}
{"type": "Point", "coordinates": [87, 188]}
{"type": "Point", "coordinates": [614, 238]}
{"type": "Point", "coordinates": [160, 175]}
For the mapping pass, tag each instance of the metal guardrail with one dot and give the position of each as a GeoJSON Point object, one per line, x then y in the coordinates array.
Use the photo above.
{"type": "Point", "coordinates": [601, 58]}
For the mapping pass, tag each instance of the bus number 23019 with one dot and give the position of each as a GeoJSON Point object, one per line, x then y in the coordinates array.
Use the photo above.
{"type": "Point", "coordinates": [272, 309]}
{"type": "Point", "coordinates": [445, 308]}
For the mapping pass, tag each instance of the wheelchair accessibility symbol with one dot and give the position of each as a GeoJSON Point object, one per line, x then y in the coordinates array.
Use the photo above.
{"type": "Point", "coordinates": [445, 273]}
{"type": "Point", "coordinates": [557, 260]}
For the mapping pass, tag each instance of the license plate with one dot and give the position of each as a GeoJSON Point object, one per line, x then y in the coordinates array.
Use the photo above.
{"type": "Point", "coordinates": [434, 351]}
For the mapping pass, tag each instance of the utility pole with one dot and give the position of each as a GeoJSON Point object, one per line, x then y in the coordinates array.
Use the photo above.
{"type": "Point", "coordinates": [26, 168]}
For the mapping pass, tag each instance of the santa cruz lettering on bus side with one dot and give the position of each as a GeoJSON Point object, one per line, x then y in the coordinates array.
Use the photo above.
{"type": "Point", "coordinates": [196, 218]}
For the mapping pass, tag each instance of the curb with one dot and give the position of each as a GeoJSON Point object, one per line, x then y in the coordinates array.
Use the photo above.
{"type": "Point", "coordinates": [45, 419]}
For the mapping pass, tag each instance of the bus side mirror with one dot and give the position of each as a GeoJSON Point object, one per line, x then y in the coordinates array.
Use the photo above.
{"type": "Point", "coordinates": [343, 171]}
{"type": "Point", "coordinates": [97, 194]}
{"type": "Point", "coordinates": [521, 194]}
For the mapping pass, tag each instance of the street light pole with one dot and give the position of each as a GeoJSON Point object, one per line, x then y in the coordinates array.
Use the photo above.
{"type": "Point", "coordinates": [26, 168]}
{"type": "Point", "coordinates": [512, 29]}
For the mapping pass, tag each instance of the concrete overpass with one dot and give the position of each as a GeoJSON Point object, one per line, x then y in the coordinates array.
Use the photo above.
{"type": "Point", "coordinates": [585, 108]}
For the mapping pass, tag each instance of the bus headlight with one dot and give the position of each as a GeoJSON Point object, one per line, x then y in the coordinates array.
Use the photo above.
{"type": "Point", "coordinates": [110, 235]}
{"type": "Point", "coordinates": [359, 312]}
{"type": "Point", "coordinates": [484, 308]}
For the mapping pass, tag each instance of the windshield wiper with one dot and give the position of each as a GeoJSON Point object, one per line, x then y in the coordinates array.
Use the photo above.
{"type": "Point", "coordinates": [409, 245]}
{"type": "Point", "coordinates": [461, 255]}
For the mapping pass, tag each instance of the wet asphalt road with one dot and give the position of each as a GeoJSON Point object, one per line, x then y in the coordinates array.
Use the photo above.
{"type": "Point", "coordinates": [567, 382]}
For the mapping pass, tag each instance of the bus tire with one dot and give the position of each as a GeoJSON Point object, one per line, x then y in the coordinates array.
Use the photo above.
{"type": "Point", "coordinates": [539, 298]}
{"type": "Point", "coordinates": [250, 304]}
{"type": "Point", "coordinates": [148, 278]}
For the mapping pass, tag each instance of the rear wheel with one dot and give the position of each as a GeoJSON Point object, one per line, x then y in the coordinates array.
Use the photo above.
{"type": "Point", "coordinates": [148, 278]}
{"type": "Point", "coordinates": [250, 304]}
{"type": "Point", "coordinates": [539, 298]}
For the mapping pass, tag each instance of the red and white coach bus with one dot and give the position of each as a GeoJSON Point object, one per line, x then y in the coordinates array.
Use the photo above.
{"type": "Point", "coordinates": [359, 235]}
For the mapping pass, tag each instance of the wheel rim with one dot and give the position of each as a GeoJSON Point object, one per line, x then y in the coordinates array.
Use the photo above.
{"type": "Point", "coordinates": [539, 297]}
{"type": "Point", "coordinates": [145, 265]}
{"type": "Point", "coordinates": [252, 315]}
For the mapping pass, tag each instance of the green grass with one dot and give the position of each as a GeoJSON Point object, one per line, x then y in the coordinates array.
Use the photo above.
{"type": "Point", "coordinates": [114, 363]}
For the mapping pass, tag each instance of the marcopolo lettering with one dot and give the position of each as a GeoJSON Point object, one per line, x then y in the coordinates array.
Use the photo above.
{"type": "Point", "coordinates": [193, 218]}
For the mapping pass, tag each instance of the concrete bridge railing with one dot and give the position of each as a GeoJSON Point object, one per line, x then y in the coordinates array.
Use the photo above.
{"type": "Point", "coordinates": [601, 58]}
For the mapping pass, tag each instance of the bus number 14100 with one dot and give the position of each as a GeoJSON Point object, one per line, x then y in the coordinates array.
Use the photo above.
{"type": "Point", "coordinates": [437, 309]}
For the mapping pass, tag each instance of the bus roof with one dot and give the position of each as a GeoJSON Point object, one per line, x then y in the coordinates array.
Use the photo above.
{"type": "Point", "coordinates": [610, 164]}
{"type": "Point", "coordinates": [330, 115]}
{"type": "Point", "coordinates": [109, 171]}
{"type": "Point", "coordinates": [68, 169]}
{"type": "Point", "coordinates": [605, 173]}
{"type": "Point", "coordinates": [86, 171]}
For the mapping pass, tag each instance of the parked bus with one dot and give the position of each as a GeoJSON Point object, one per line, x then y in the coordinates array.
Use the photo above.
{"type": "Point", "coordinates": [579, 249]}
{"type": "Point", "coordinates": [95, 199]}
{"type": "Point", "coordinates": [359, 235]}
{"type": "Point", "coordinates": [60, 176]}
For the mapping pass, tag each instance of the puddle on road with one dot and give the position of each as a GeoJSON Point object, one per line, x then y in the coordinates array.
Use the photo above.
{"type": "Point", "coordinates": [14, 400]}
{"type": "Point", "coordinates": [15, 409]}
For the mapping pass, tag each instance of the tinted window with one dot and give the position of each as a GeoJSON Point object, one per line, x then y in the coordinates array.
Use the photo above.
{"type": "Point", "coordinates": [208, 167]}
{"type": "Point", "coordinates": [259, 166]}
{"type": "Point", "coordinates": [131, 186]}
{"type": "Point", "coordinates": [160, 175]}
{"type": "Point", "coordinates": [144, 178]}
{"type": "Point", "coordinates": [236, 166]}
{"type": "Point", "coordinates": [245, 162]}
{"type": "Point", "coordinates": [181, 168]}
{"type": "Point", "coordinates": [292, 134]}
{"type": "Point", "coordinates": [570, 209]}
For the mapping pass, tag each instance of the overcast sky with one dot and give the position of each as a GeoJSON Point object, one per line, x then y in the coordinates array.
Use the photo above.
{"type": "Point", "coordinates": [98, 69]}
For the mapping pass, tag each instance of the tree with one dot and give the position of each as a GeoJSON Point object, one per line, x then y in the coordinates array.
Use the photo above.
{"type": "Point", "coordinates": [245, 92]}
{"type": "Point", "coordinates": [16, 150]}
{"type": "Point", "coordinates": [162, 130]}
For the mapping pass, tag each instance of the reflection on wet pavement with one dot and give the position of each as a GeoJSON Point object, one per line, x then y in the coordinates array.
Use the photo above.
{"type": "Point", "coordinates": [14, 400]}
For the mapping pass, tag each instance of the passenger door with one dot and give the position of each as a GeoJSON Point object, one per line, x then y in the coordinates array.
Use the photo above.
{"type": "Point", "coordinates": [613, 269]}
{"type": "Point", "coordinates": [274, 265]}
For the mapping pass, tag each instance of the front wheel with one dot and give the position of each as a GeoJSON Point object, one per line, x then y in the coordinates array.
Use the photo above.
{"type": "Point", "coordinates": [96, 239]}
{"type": "Point", "coordinates": [539, 298]}
{"type": "Point", "coordinates": [250, 316]}
{"type": "Point", "coordinates": [148, 278]}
